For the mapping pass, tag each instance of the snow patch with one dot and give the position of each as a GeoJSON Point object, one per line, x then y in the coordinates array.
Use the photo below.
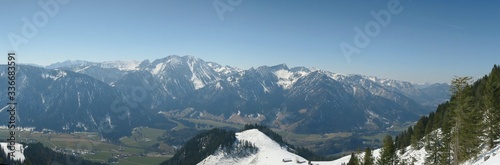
{"type": "Point", "coordinates": [218, 86]}
{"type": "Point", "coordinates": [159, 67]}
{"type": "Point", "coordinates": [18, 153]}
{"type": "Point", "coordinates": [54, 77]}
{"type": "Point", "coordinates": [286, 79]}
{"type": "Point", "coordinates": [491, 157]}
{"type": "Point", "coordinates": [197, 83]}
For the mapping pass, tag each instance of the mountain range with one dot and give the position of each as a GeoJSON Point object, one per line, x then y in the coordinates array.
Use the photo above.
{"type": "Point", "coordinates": [117, 96]}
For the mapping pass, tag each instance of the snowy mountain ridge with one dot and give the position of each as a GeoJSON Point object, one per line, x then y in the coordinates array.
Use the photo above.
{"type": "Point", "coordinates": [269, 152]}
{"type": "Point", "coordinates": [119, 64]}
{"type": "Point", "coordinates": [297, 99]}
{"type": "Point", "coordinates": [186, 82]}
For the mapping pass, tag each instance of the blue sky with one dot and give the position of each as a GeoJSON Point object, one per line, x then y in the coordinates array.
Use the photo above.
{"type": "Point", "coordinates": [427, 41]}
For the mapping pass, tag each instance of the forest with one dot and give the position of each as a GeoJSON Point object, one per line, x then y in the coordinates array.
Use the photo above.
{"type": "Point", "coordinates": [457, 131]}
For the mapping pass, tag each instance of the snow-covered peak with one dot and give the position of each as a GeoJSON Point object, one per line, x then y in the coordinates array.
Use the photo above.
{"type": "Point", "coordinates": [186, 68]}
{"type": "Point", "coordinates": [121, 65]}
{"type": "Point", "coordinates": [269, 152]}
{"type": "Point", "coordinates": [68, 63]}
{"type": "Point", "coordinates": [223, 70]}
{"type": "Point", "coordinates": [287, 78]}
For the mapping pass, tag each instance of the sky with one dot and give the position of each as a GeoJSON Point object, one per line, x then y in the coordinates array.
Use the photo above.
{"type": "Point", "coordinates": [423, 41]}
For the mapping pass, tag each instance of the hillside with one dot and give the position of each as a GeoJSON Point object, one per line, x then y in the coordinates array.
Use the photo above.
{"type": "Point", "coordinates": [269, 152]}
{"type": "Point", "coordinates": [418, 156]}
{"type": "Point", "coordinates": [255, 144]}
{"type": "Point", "coordinates": [464, 130]}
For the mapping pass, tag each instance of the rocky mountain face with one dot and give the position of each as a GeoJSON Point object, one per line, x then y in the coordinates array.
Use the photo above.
{"type": "Point", "coordinates": [67, 101]}
{"type": "Point", "coordinates": [87, 95]}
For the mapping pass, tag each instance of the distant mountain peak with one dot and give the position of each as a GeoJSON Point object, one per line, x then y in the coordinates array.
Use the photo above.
{"type": "Point", "coordinates": [68, 63]}
{"type": "Point", "coordinates": [303, 98]}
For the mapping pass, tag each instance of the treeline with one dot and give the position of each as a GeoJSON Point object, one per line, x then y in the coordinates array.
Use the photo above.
{"type": "Point", "coordinates": [36, 153]}
{"type": "Point", "coordinates": [368, 159]}
{"type": "Point", "coordinates": [461, 127]}
{"type": "Point", "coordinates": [201, 146]}
{"type": "Point", "coordinates": [457, 131]}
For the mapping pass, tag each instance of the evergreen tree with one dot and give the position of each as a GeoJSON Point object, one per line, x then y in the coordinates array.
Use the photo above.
{"type": "Point", "coordinates": [433, 148]}
{"type": "Point", "coordinates": [471, 115]}
{"type": "Point", "coordinates": [445, 150]}
{"type": "Point", "coordinates": [354, 160]}
{"type": "Point", "coordinates": [464, 135]}
{"type": "Point", "coordinates": [418, 132]}
{"type": "Point", "coordinates": [388, 152]}
{"type": "Point", "coordinates": [430, 123]}
{"type": "Point", "coordinates": [491, 105]}
{"type": "Point", "coordinates": [368, 158]}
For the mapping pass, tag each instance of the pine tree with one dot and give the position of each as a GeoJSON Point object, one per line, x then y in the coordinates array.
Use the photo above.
{"type": "Point", "coordinates": [491, 105]}
{"type": "Point", "coordinates": [388, 153]}
{"type": "Point", "coordinates": [464, 135]}
{"type": "Point", "coordinates": [433, 148]}
{"type": "Point", "coordinates": [368, 158]}
{"type": "Point", "coordinates": [354, 160]}
{"type": "Point", "coordinates": [418, 132]}
{"type": "Point", "coordinates": [446, 127]}
{"type": "Point", "coordinates": [429, 127]}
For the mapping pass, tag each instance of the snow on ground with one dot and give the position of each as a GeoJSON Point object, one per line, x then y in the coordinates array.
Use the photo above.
{"type": "Point", "coordinates": [345, 159]}
{"type": "Point", "coordinates": [491, 157]}
{"type": "Point", "coordinates": [269, 152]}
{"type": "Point", "coordinates": [18, 154]}
{"type": "Point", "coordinates": [413, 154]}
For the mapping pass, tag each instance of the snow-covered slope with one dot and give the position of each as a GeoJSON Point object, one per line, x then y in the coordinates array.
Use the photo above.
{"type": "Point", "coordinates": [491, 157]}
{"type": "Point", "coordinates": [345, 159]}
{"type": "Point", "coordinates": [18, 154]}
{"type": "Point", "coordinates": [417, 157]}
{"type": "Point", "coordinates": [269, 152]}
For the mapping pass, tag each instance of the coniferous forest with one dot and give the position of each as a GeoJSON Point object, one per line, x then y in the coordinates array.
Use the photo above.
{"type": "Point", "coordinates": [463, 126]}
{"type": "Point", "coordinates": [456, 132]}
